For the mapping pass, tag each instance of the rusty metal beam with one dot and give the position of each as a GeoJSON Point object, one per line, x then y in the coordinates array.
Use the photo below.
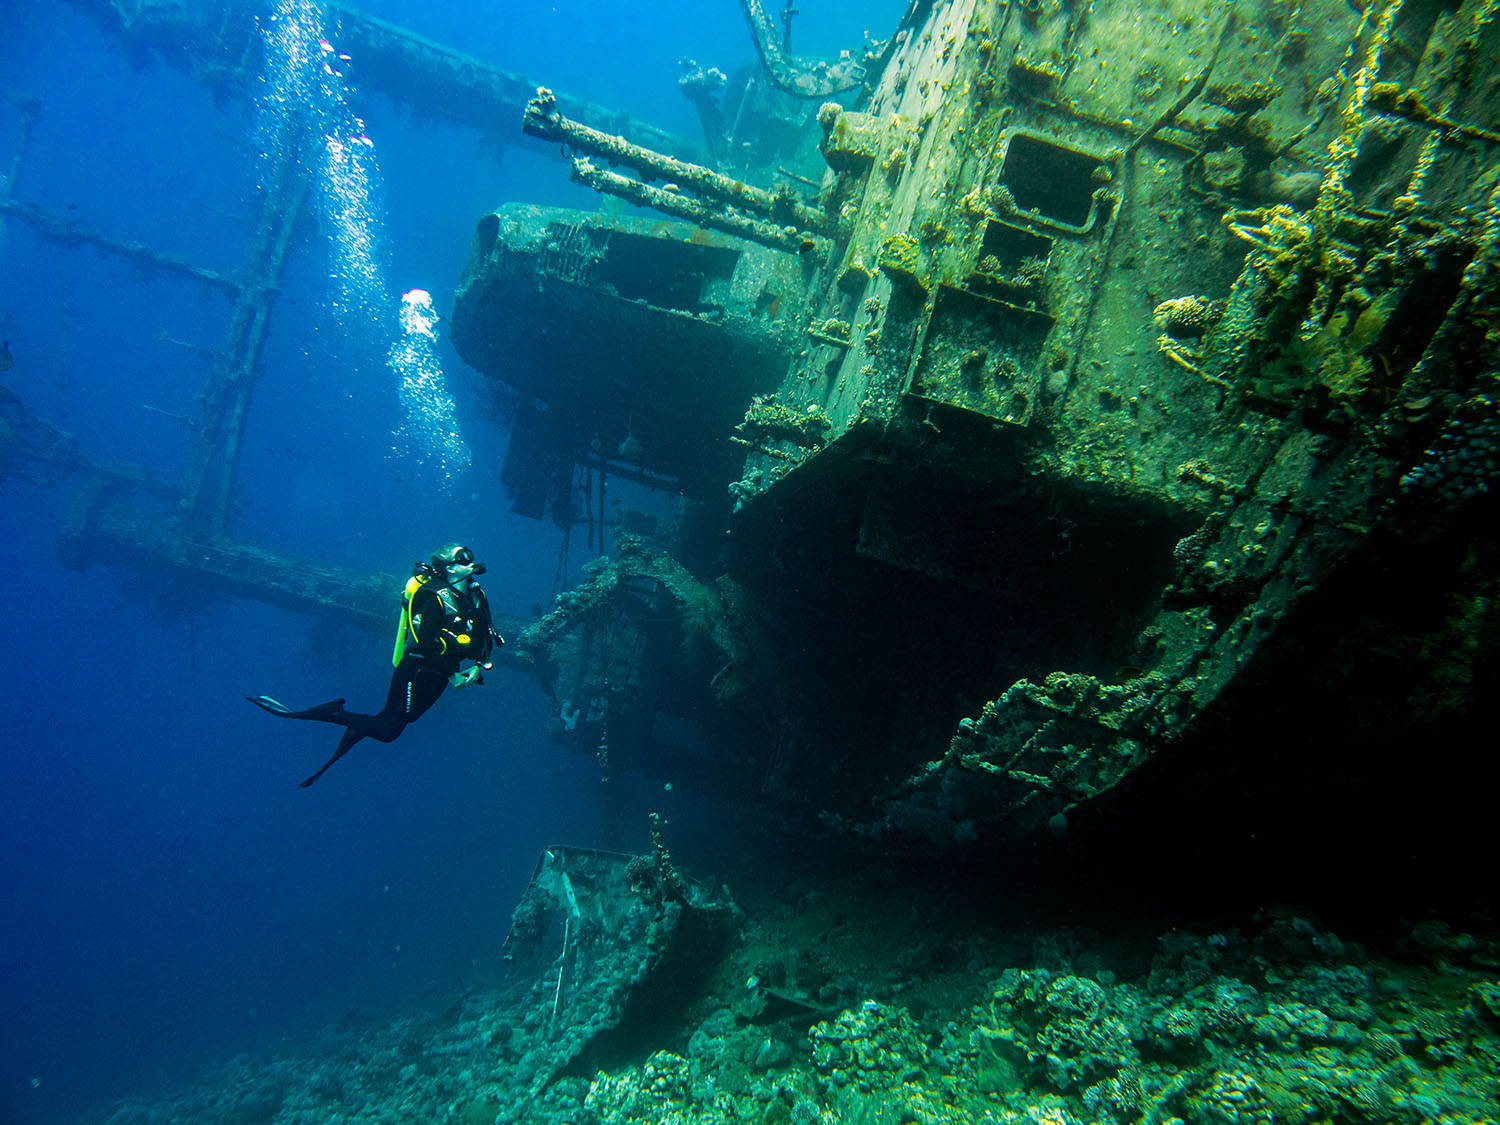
{"type": "Point", "coordinates": [102, 528]}
{"type": "Point", "coordinates": [49, 225]}
{"type": "Point", "coordinates": [685, 207]}
{"type": "Point", "coordinates": [544, 118]}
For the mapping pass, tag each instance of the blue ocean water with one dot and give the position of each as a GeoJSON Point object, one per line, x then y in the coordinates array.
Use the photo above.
{"type": "Point", "coordinates": [170, 897]}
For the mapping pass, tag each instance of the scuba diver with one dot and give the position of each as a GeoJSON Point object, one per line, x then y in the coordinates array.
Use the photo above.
{"type": "Point", "coordinates": [445, 620]}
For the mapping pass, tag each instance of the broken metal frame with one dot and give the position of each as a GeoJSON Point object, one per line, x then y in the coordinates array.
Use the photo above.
{"type": "Point", "coordinates": [194, 537]}
{"type": "Point", "coordinates": [197, 533]}
{"type": "Point", "coordinates": [222, 52]}
{"type": "Point", "coordinates": [433, 79]}
{"type": "Point", "coordinates": [803, 77]}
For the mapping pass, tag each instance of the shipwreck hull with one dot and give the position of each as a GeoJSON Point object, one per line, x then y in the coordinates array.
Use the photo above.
{"type": "Point", "coordinates": [1127, 339]}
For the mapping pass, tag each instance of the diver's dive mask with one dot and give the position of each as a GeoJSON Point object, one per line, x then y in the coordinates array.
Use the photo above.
{"type": "Point", "coordinates": [465, 557]}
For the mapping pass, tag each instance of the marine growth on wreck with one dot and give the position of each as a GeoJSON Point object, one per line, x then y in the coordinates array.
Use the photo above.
{"type": "Point", "coordinates": [1102, 351]}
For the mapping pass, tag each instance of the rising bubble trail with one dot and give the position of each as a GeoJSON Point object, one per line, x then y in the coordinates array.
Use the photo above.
{"type": "Point", "coordinates": [304, 121]}
{"type": "Point", "coordinates": [429, 433]}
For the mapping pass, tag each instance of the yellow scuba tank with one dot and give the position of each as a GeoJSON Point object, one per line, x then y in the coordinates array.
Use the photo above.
{"type": "Point", "coordinates": [420, 576]}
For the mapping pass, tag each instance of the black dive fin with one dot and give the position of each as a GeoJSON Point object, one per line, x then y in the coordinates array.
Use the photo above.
{"type": "Point", "coordinates": [337, 754]}
{"type": "Point", "coordinates": [329, 712]}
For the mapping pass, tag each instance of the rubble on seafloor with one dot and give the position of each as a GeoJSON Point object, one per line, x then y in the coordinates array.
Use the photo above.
{"type": "Point", "coordinates": [839, 1004]}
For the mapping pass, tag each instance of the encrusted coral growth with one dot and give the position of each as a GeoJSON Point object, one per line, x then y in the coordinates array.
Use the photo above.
{"type": "Point", "coordinates": [1186, 317]}
{"type": "Point", "coordinates": [1290, 1026]}
{"type": "Point", "coordinates": [901, 258]}
{"type": "Point", "coordinates": [873, 1045]}
{"type": "Point", "coordinates": [664, 1090]}
{"type": "Point", "coordinates": [768, 420]}
{"type": "Point", "coordinates": [1062, 1028]}
{"type": "Point", "coordinates": [1233, 1098]}
{"type": "Point", "coordinates": [1464, 461]}
{"type": "Point", "coordinates": [1039, 747]}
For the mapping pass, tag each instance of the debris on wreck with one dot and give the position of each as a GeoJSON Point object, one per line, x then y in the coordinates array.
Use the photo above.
{"type": "Point", "coordinates": [603, 948]}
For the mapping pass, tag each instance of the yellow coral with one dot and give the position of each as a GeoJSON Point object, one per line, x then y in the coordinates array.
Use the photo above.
{"type": "Point", "coordinates": [1184, 317]}
{"type": "Point", "coordinates": [901, 258]}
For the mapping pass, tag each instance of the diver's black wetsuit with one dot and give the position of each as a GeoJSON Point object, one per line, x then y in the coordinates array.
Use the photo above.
{"type": "Point", "coordinates": [447, 627]}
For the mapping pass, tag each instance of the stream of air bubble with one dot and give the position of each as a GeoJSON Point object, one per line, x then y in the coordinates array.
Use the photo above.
{"type": "Point", "coordinates": [303, 116]}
